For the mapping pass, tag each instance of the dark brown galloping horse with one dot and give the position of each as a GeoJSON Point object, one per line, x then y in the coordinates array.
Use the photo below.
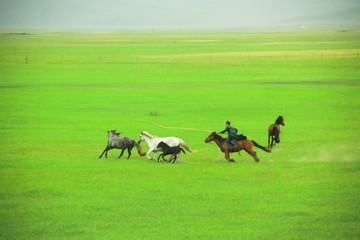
{"type": "Point", "coordinates": [274, 131]}
{"type": "Point", "coordinates": [246, 145]}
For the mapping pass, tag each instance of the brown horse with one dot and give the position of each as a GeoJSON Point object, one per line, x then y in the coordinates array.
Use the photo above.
{"type": "Point", "coordinates": [246, 145]}
{"type": "Point", "coordinates": [274, 131]}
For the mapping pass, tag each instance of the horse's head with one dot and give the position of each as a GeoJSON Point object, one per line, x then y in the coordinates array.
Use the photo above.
{"type": "Point", "coordinates": [280, 121]}
{"type": "Point", "coordinates": [211, 137]}
{"type": "Point", "coordinates": [162, 145]}
{"type": "Point", "coordinates": [112, 133]}
{"type": "Point", "coordinates": [141, 138]}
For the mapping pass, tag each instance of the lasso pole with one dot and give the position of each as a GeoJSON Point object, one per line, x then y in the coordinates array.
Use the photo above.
{"type": "Point", "coordinates": [179, 128]}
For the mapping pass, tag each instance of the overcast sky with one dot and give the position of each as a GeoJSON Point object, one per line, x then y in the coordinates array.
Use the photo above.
{"type": "Point", "coordinates": [175, 14]}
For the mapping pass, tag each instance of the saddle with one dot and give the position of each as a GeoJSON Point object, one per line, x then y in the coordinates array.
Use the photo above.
{"type": "Point", "coordinates": [233, 144]}
{"type": "Point", "coordinates": [241, 137]}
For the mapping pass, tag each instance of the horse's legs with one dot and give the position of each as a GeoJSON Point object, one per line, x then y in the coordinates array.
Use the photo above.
{"type": "Point", "coordinates": [154, 156]}
{"type": "Point", "coordinates": [178, 155]}
{"type": "Point", "coordinates": [102, 153]}
{"type": "Point", "coordinates": [174, 158]}
{"type": "Point", "coordinates": [107, 148]}
{"type": "Point", "coordinates": [171, 158]}
{"type": "Point", "coordinates": [272, 141]}
{"type": "Point", "coordinates": [253, 154]}
{"type": "Point", "coordinates": [269, 136]}
{"type": "Point", "coordinates": [275, 137]}
{"type": "Point", "coordinates": [122, 152]}
{"type": "Point", "coordinates": [129, 151]}
{"type": "Point", "coordinates": [161, 155]}
{"type": "Point", "coordinates": [227, 156]}
{"type": "Point", "coordinates": [148, 153]}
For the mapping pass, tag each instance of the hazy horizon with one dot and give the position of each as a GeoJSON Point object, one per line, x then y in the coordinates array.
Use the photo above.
{"type": "Point", "coordinates": [170, 14]}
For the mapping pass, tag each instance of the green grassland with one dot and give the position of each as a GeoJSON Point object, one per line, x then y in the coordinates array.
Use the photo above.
{"type": "Point", "coordinates": [61, 91]}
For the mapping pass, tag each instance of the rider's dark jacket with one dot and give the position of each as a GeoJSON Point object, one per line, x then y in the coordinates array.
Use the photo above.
{"type": "Point", "coordinates": [232, 132]}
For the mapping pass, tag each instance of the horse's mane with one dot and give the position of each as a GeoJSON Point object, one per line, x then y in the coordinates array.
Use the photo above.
{"type": "Point", "coordinates": [148, 134]}
{"type": "Point", "coordinates": [217, 136]}
{"type": "Point", "coordinates": [113, 133]}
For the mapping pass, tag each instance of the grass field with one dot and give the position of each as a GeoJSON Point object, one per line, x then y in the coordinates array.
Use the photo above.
{"type": "Point", "coordinates": [61, 92]}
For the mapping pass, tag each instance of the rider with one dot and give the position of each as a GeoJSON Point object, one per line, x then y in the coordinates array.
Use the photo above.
{"type": "Point", "coordinates": [232, 134]}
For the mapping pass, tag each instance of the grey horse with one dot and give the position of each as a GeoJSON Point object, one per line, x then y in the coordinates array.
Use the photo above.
{"type": "Point", "coordinates": [115, 141]}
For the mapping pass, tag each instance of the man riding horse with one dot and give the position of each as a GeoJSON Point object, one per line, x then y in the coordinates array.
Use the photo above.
{"type": "Point", "coordinates": [233, 137]}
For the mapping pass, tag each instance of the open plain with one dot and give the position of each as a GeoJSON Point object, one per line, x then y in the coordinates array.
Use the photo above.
{"type": "Point", "coordinates": [61, 91]}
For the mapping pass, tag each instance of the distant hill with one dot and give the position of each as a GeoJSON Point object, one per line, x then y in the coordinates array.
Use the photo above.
{"type": "Point", "coordinates": [342, 18]}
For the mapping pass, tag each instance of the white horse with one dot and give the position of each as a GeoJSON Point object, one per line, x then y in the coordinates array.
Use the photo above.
{"type": "Point", "coordinates": [153, 141]}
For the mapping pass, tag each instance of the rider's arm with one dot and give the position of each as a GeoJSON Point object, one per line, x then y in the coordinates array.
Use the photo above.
{"type": "Point", "coordinates": [225, 130]}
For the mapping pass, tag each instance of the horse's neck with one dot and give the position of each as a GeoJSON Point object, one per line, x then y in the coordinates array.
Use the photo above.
{"type": "Point", "coordinates": [114, 137]}
{"type": "Point", "coordinates": [148, 139]}
{"type": "Point", "coordinates": [115, 141]}
{"type": "Point", "coordinates": [219, 140]}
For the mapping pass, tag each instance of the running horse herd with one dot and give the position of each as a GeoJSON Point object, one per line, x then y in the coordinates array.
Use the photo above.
{"type": "Point", "coordinates": [173, 146]}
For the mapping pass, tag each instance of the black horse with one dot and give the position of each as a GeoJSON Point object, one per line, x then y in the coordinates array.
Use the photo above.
{"type": "Point", "coordinates": [274, 131]}
{"type": "Point", "coordinates": [115, 141]}
{"type": "Point", "coordinates": [167, 150]}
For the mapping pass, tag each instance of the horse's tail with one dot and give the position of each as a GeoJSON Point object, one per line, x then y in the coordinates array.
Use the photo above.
{"type": "Point", "coordinates": [261, 147]}
{"type": "Point", "coordinates": [183, 144]}
{"type": "Point", "coordinates": [138, 147]}
{"type": "Point", "coordinates": [183, 150]}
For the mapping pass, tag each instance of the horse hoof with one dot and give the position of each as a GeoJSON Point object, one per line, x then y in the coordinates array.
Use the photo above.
{"type": "Point", "coordinates": [231, 161]}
